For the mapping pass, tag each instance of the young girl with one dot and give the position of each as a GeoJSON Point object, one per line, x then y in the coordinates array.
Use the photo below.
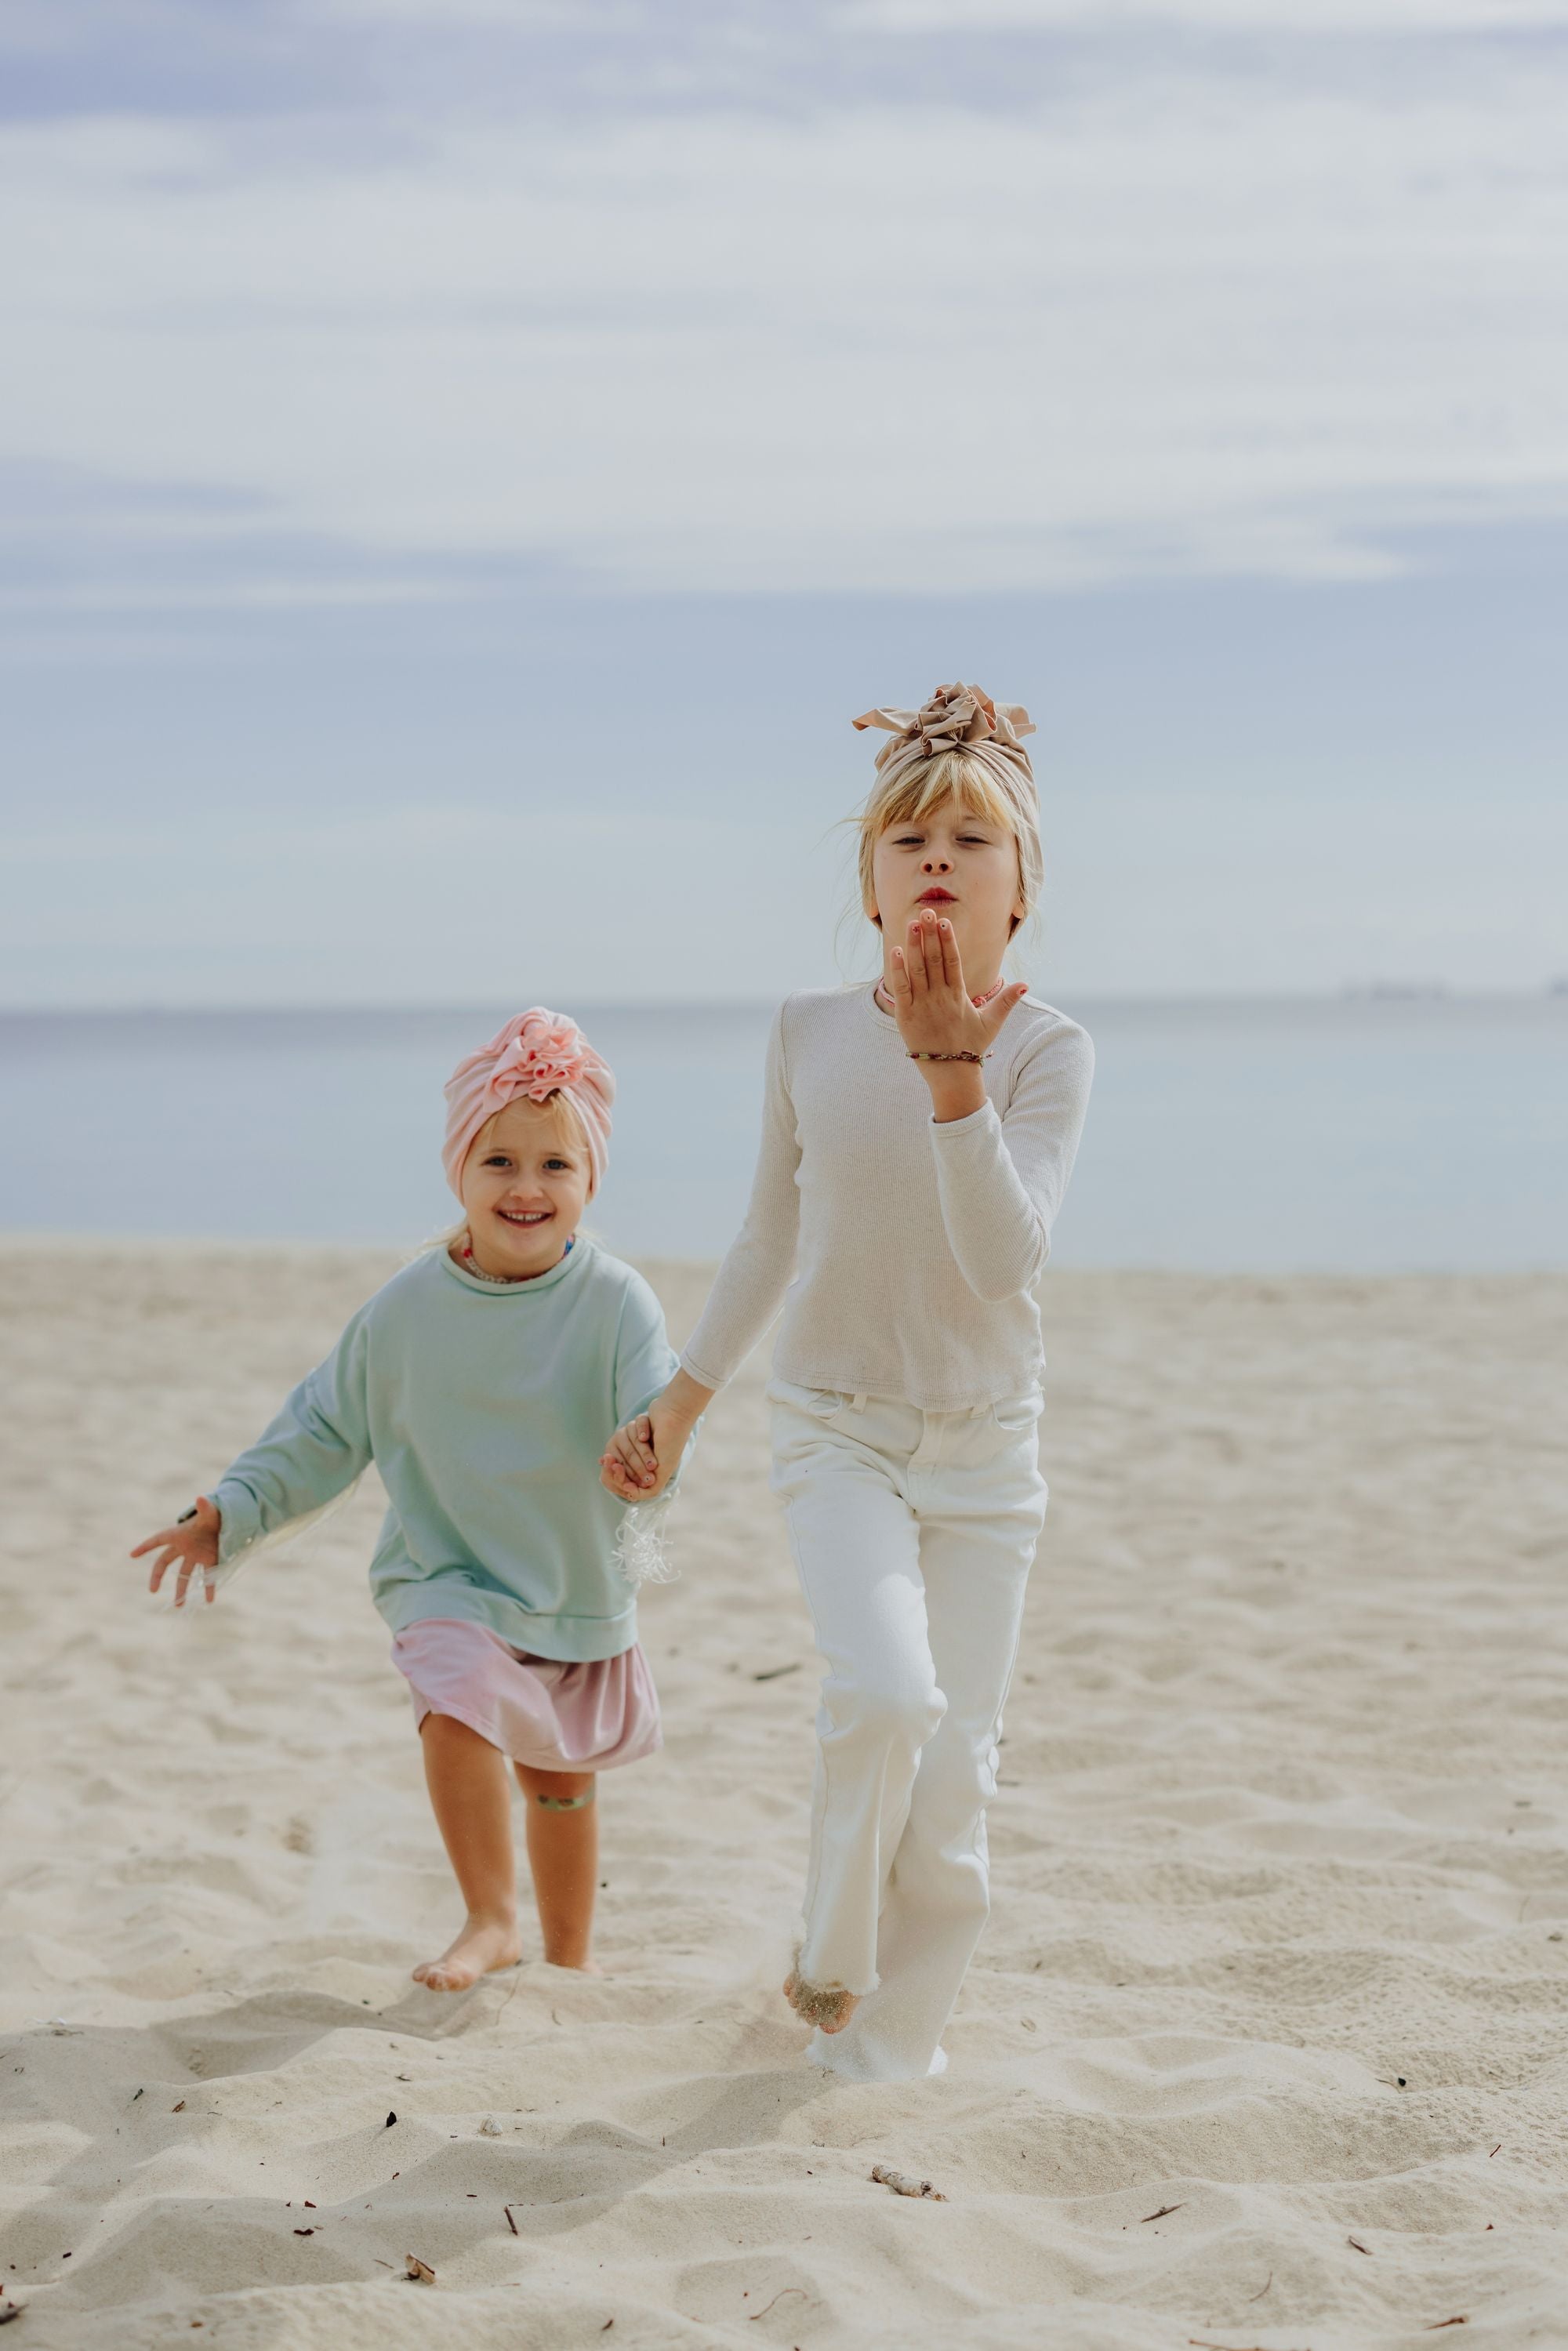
{"type": "Point", "coordinates": [481, 1380]}
{"type": "Point", "coordinates": [917, 1139]}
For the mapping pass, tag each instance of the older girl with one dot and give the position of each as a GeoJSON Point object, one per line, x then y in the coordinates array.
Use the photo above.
{"type": "Point", "coordinates": [481, 1380]}
{"type": "Point", "coordinates": [917, 1139]}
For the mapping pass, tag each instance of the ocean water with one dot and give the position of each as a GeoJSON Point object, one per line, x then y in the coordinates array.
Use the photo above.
{"type": "Point", "coordinates": [1360, 1136]}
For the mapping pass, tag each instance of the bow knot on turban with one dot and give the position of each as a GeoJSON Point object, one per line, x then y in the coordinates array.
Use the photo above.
{"type": "Point", "coordinates": [957, 718]}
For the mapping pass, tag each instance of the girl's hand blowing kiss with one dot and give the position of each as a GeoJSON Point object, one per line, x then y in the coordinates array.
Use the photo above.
{"type": "Point", "coordinates": [943, 1030]}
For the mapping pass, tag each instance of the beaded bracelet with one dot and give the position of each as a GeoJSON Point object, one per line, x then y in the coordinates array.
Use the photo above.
{"type": "Point", "coordinates": [948, 1056]}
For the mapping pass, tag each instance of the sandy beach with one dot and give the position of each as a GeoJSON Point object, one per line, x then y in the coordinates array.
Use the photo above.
{"type": "Point", "coordinates": [1270, 2032]}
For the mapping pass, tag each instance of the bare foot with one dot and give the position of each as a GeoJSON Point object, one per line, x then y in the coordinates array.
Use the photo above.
{"type": "Point", "coordinates": [827, 2006]}
{"type": "Point", "coordinates": [482, 1946]}
{"type": "Point", "coordinates": [578, 1967]}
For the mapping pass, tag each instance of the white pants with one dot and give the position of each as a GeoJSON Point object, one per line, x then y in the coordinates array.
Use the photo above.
{"type": "Point", "coordinates": [913, 1533]}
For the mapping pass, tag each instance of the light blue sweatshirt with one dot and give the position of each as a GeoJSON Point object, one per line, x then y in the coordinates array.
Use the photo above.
{"type": "Point", "coordinates": [484, 1410]}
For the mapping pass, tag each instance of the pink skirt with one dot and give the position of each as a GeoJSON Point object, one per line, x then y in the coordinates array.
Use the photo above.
{"type": "Point", "coordinates": [551, 1716]}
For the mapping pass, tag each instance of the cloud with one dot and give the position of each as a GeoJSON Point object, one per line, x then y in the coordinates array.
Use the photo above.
{"type": "Point", "coordinates": [1169, 318]}
{"type": "Point", "coordinates": [1358, 18]}
{"type": "Point", "coordinates": [511, 16]}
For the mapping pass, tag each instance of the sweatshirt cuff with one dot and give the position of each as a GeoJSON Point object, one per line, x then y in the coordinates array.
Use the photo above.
{"type": "Point", "coordinates": [943, 1129]}
{"type": "Point", "coordinates": [240, 1515]}
{"type": "Point", "coordinates": [703, 1378]}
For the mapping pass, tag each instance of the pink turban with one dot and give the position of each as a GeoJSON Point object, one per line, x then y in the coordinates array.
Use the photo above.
{"type": "Point", "coordinates": [538, 1053]}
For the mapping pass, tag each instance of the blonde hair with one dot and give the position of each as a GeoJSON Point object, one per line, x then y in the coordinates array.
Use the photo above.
{"type": "Point", "coordinates": [558, 1107]}
{"type": "Point", "coordinates": [916, 791]}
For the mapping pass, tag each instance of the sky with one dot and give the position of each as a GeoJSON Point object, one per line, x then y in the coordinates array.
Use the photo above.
{"type": "Point", "coordinates": [464, 463]}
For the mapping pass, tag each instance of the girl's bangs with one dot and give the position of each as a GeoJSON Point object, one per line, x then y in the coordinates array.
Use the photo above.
{"type": "Point", "coordinates": [949, 776]}
{"type": "Point", "coordinates": [560, 1111]}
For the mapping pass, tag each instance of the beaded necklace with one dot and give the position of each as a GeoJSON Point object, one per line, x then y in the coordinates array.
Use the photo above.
{"type": "Point", "coordinates": [503, 1281]}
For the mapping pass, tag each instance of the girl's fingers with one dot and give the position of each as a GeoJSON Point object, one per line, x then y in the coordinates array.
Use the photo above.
{"type": "Point", "coordinates": [902, 991]}
{"type": "Point", "coordinates": [189, 1568]}
{"type": "Point", "coordinates": [642, 1472]}
{"type": "Point", "coordinates": [916, 960]}
{"type": "Point", "coordinates": [640, 1458]}
{"type": "Point", "coordinates": [952, 966]}
{"type": "Point", "coordinates": [622, 1481]}
{"type": "Point", "coordinates": [164, 1535]}
{"type": "Point", "coordinates": [633, 1444]}
{"type": "Point", "coordinates": [931, 940]}
{"type": "Point", "coordinates": [640, 1432]}
{"type": "Point", "coordinates": [996, 1012]}
{"type": "Point", "coordinates": [190, 1564]}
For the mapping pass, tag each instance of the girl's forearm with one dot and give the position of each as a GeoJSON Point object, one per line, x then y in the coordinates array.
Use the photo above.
{"type": "Point", "coordinates": [958, 1088]}
{"type": "Point", "coordinates": [685, 1400]}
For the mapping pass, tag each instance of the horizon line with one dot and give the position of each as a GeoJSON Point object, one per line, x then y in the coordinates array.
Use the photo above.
{"type": "Point", "coordinates": [1378, 994]}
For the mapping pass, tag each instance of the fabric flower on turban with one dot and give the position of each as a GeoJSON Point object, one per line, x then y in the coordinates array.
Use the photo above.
{"type": "Point", "coordinates": [536, 1054]}
{"type": "Point", "coordinates": [957, 718]}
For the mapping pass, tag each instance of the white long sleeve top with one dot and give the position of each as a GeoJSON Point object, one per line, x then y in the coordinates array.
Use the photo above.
{"type": "Point", "coordinates": [904, 1252]}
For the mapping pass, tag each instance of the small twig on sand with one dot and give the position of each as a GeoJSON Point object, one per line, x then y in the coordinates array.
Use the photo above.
{"type": "Point", "coordinates": [1262, 2289]}
{"type": "Point", "coordinates": [1161, 2213]}
{"type": "Point", "coordinates": [10, 2310]}
{"type": "Point", "coordinates": [753, 2315]}
{"type": "Point", "coordinates": [777, 1673]}
{"type": "Point", "coordinates": [1359, 2246]}
{"type": "Point", "coordinates": [1437, 2323]}
{"type": "Point", "coordinates": [902, 2184]}
{"type": "Point", "coordinates": [510, 2222]}
{"type": "Point", "coordinates": [421, 2272]}
{"type": "Point", "coordinates": [1205, 2344]}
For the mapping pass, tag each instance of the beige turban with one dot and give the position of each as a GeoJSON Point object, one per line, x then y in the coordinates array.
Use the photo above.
{"type": "Point", "coordinates": [958, 718]}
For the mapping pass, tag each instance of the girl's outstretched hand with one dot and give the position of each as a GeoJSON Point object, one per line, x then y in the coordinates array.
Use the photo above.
{"type": "Point", "coordinates": [934, 1012]}
{"type": "Point", "coordinates": [193, 1542]}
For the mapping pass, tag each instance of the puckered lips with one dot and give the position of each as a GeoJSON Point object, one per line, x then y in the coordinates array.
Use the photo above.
{"type": "Point", "coordinates": [936, 896]}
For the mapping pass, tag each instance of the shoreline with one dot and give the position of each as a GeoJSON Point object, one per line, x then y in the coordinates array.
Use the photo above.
{"type": "Point", "coordinates": [382, 1257]}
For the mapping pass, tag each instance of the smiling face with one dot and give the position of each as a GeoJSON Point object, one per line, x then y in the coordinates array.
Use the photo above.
{"type": "Point", "coordinates": [964, 862]}
{"type": "Point", "coordinates": [526, 1183]}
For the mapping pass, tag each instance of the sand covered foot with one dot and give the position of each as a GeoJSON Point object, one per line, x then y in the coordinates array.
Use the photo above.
{"type": "Point", "coordinates": [482, 1946]}
{"type": "Point", "coordinates": [827, 2006]}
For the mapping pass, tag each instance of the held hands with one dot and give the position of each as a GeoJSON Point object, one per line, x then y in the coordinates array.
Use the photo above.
{"type": "Point", "coordinates": [629, 1464]}
{"type": "Point", "coordinates": [193, 1542]}
{"type": "Point", "coordinates": [644, 1454]}
{"type": "Point", "coordinates": [935, 1013]}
